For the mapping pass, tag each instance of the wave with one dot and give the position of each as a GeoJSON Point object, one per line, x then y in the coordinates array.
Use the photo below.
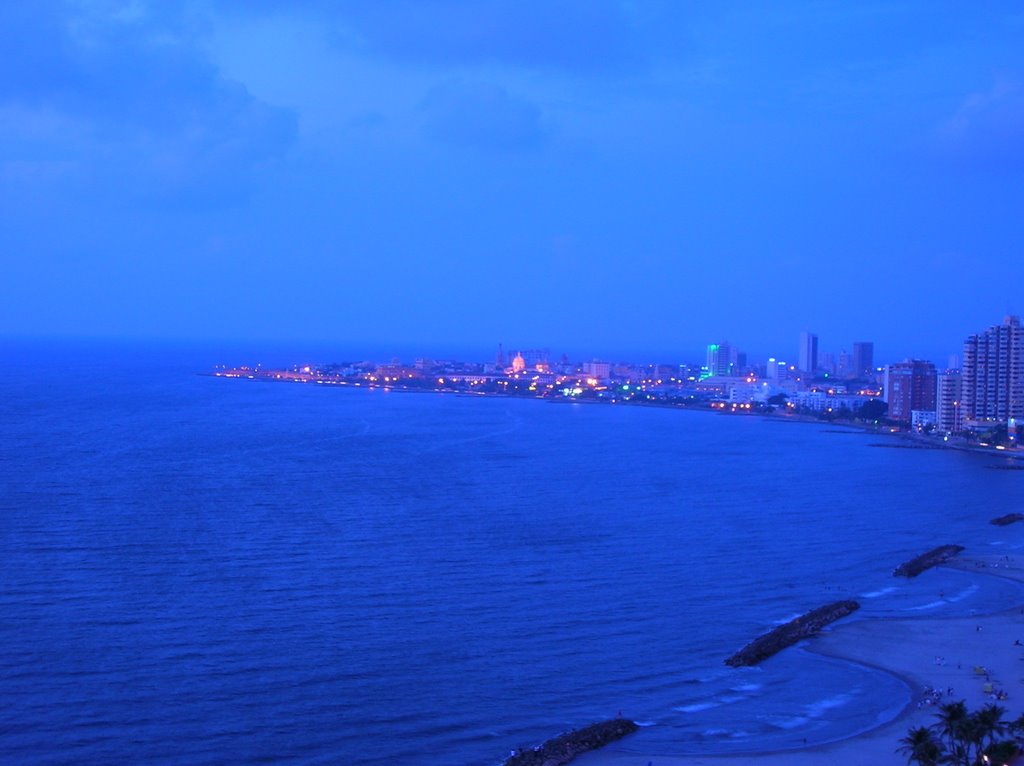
{"type": "Point", "coordinates": [790, 723]}
{"type": "Point", "coordinates": [737, 734]}
{"type": "Point", "coordinates": [697, 707]}
{"type": "Point", "coordinates": [819, 708]}
{"type": "Point", "coordinates": [965, 593]}
{"type": "Point", "coordinates": [929, 605]}
{"type": "Point", "coordinates": [882, 592]}
{"type": "Point", "coordinates": [784, 620]}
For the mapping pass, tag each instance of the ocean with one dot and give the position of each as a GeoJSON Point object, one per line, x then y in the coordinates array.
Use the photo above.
{"type": "Point", "coordinates": [198, 570]}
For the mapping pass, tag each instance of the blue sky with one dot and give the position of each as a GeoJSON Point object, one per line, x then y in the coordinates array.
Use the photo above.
{"type": "Point", "coordinates": [600, 177]}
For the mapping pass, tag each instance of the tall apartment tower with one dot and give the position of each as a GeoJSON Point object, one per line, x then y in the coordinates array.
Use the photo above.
{"type": "Point", "coordinates": [808, 352]}
{"type": "Point", "coordinates": [910, 386]}
{"type": "Point", "coordinates": [720, 359]}
{"type": "Point", "coordinates": [993, 373]}
{"type": "Point", "coordinates": [948, 407]}
{"type": "Point", "coordinates": [863, 358]}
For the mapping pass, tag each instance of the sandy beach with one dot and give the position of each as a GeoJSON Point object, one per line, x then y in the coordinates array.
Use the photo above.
{"type": "Point", "coordinates": [927, 653]}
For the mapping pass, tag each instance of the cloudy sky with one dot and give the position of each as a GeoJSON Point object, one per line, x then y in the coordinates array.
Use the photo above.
{"type": "Point", "coordinates": [595, 176]}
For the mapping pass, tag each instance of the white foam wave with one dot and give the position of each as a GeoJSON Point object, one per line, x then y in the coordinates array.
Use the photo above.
{"type": "Point", "coordinates": [784, 620]}
{"type": "Point", "coordinates": [922, 607]}
{"type": "Point", "coordinates": [819, 708]}
{"type": "Point", "coordinates": [969, 591]}
{"type": "Point", "coordinates": [696, 707]}
{"type": "Point", "coordinates": [877, 593]}
{"type": "Point", "coordinates": [790, 723]}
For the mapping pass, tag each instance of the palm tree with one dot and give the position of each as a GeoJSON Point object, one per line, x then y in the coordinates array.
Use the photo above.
{"type": "Point", "coordinates": [953, 728]}
{"type": "Point", "coordinates": [921, 747]}
{"type": "Point", "coordinates": [989, 724]}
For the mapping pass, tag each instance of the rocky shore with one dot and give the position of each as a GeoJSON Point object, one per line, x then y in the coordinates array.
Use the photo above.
{"type": "Point", "coordinates": [776, 640]}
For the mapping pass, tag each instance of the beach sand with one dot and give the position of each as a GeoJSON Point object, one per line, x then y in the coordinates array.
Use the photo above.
{"type": "Point", "coordinates": [928, 653]}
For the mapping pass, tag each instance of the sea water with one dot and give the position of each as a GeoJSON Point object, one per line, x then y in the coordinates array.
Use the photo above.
{"type": "Point", "coordinates": [199, 570]}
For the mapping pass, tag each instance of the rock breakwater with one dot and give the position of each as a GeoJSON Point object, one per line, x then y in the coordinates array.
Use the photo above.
{"type": "Point", "coordinates": [563, 748]}
{"type": "Point", "coordinates": [932, 558]}
{"type": "Point", "coordinates": [1009, 518]}
{"type": "Point", "coordinates": [802, 627]}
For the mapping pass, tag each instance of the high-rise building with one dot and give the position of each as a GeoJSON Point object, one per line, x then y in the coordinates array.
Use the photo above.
{"type": "Point", "coordinates": [776, 369]}
{"type": "Point", "coordinates": [720, 359]}
{"type": "Point", "coordinates": [910, 385]}
{"type": "Point", "coordinates": [598, 370]}
{"type": "Point", "coordinates": [808, 352]}
{"type": "Point", "coordinates": [947, 402]}
{"type": "Point", "coordinates": [863, 358]}
{"type": "Point", "coordinates": [827, 363]}
{"type": "Point", "coordinates": [844, 366]}
{"type": "Point", "coordinates": [993, 373]}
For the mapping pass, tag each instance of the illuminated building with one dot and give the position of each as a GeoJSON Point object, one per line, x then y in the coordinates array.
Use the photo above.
{"type": "Point", "coordinates": [600, 371]}
{"type": "Point", "coordinates": [518, 364]}
{"type": "Point", "coordinates": [776, 369]}
{"type": "Point", "coordinates": [993, 373]}
{"type": "Point", "coordinates": [719, 360]}
{"type": "Point", "coordinates": [948, 405]}
{"type": "Point", "coordinates": [535, 356]}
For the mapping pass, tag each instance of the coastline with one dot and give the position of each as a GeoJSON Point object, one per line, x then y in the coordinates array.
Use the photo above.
{"type": "Point", "coordinates": [924, 652]}
{"type": "Point", "coordinates": [910, 439]}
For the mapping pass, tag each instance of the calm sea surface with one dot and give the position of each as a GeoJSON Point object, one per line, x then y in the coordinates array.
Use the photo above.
{"type": "Point", "coordinates": [196, 570]}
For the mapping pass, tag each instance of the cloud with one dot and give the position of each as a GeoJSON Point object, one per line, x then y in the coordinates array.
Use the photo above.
{"type": "Point", "coordinates": [988, 126]}
{"type": "Point", "coordinates": [482, 116]}
{"type": "Point", "coordinates": [576, 36]}
{"type": "Point", "coordinates": [149, 110]}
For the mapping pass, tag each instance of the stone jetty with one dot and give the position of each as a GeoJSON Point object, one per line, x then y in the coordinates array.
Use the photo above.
{"type": "Point", "coordinates": [932, 558]}
{"type": "Point", "coordinates": [802, 627]}
{"type": "Point", "coordinates": [563, 748]}
{"type": "Point", "coordinates": [1009, 518]}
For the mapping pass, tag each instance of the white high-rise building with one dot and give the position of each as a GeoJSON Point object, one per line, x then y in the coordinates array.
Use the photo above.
{"type": "Point", "coordinates": [948, 407]}
{"type": "Point", "coordinates": [993, 373]}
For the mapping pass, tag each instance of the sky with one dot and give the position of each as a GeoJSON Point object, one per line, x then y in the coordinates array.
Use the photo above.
{"type": "Point", "coordinates": [597, 177]}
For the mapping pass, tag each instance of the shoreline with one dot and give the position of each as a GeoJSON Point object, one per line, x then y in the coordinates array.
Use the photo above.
{"type": "Point", "coordinates": [913, 440]}
{"type": "Point", "coordinates": [925, 653]}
